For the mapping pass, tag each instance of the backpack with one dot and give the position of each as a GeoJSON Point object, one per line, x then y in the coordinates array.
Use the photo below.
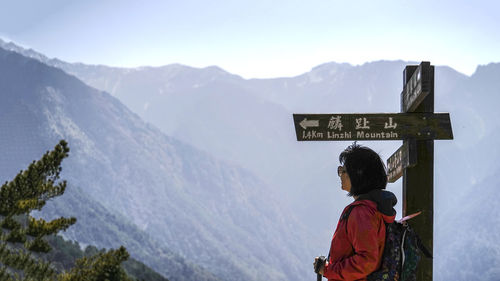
{"type": "Point", "coordinates": [402, 251]}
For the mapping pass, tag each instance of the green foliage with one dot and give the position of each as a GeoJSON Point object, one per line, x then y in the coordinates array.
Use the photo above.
{"type": "Point", "coordinates": [65, 253]}
{"type": "Point", "coordinates": [38, 228]}
{"type": "Point", "coordinates": [30, 189]}
{"type": "Point", "coordinates": [103, 266]}
{"type": "Point", "coordinates": [22, 237]}
{"type": "Point", "coordinates": [10, 223]}
{"type": "Point", "coordinates": [20, 260]}
{"type": "Point", "coordinates": [140, 271]}
{"type": "Point", "coordinates": [38, 245]}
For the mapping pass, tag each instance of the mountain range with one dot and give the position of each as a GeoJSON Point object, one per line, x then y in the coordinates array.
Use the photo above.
{"type": "Point", "coordinates": [214, 215]}
{"type": "Point", "coordinates": [246, 126]}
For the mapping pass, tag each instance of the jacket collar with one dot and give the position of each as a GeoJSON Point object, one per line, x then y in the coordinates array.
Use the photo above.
{"type": "Point", "coordinates": [380, 200]}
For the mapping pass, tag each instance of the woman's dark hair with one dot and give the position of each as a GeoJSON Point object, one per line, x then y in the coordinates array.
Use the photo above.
{"type": "Point", "coordinates": [365, 169]}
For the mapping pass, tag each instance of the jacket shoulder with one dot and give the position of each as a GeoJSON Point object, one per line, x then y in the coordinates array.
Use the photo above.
{"type": "Point", "coordinates": [363, 206]}
{"type": "Point", "coordinates": [362, 211]}
{"type": "Point", "coordinates": [359, 211]}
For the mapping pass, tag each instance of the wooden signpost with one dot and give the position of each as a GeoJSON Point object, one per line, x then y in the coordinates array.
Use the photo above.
{"type": "Point", "coordinates": [417, 126]}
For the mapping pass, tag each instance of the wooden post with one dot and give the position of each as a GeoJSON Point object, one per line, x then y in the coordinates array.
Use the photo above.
{"type": "Point", "coordinates": [418, 184]}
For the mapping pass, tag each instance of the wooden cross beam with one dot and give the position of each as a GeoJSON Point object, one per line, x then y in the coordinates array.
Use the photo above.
{"type": "Point", "coordinates": [372, 126]}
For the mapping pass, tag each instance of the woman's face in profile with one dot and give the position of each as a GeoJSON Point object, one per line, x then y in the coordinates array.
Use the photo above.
{"type": "Point", "coordinates": [344, 179]}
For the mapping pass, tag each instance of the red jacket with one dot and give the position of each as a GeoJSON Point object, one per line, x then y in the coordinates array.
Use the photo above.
{"type": "Point", "coordinates": [357, 252]}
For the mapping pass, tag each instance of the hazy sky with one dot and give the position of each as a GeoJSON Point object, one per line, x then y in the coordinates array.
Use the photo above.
{"type": "Point", "coordinates": [257, 38]}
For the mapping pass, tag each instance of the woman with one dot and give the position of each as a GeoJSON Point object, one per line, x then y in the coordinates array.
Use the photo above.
{"type": "Point", "coordinates": [358, 242]}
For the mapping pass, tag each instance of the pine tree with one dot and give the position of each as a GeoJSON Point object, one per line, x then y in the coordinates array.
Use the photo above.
{"type": "Point", "coordinates": [103, 266]}
{"type": "Point", "coordinates": [22, 236]}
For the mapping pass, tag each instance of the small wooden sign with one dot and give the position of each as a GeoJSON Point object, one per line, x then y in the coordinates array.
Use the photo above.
{"type": "Point", "coordinates": [417, 88]}
{"type": "Point", "coordinates": [372, 126]}
{"type": "Point", "coordinates": [404, 157]}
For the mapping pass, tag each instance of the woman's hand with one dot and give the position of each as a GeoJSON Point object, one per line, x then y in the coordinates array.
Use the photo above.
{"type": "Point", "coordinates": [319, 265]}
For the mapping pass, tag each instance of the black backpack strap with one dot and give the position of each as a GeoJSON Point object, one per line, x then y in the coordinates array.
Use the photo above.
{"type": "Point", "coordinates": [345, 217]}
{"type": "Point", "coordinates": [346, 214]}
{"type": "Point", "coordinates": [422, 248]}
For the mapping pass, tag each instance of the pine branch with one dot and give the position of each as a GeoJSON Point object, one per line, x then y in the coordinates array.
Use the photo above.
{"type": "Point", "coordinates": [30, 189]}
{"type": "Point", "coordinates": [103, 266]}
{"type": "Point", "coordinates": [39, 228]}
{"type": "Point", "coordinates": [20, 260]}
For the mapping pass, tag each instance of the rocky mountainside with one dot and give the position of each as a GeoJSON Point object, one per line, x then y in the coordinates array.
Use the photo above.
{"type": "Point", "coordinates": [214, 214]}
{"type": "Point", "coordinates": [468, 235]}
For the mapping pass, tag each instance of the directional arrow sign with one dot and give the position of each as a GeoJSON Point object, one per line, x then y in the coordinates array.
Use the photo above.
{"type": "Point", "coordinates": [309, 123]}
{"type": "Point", "coordinates": [404, 157]}
{"type": "Point", "coordinates": [374, 126]}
